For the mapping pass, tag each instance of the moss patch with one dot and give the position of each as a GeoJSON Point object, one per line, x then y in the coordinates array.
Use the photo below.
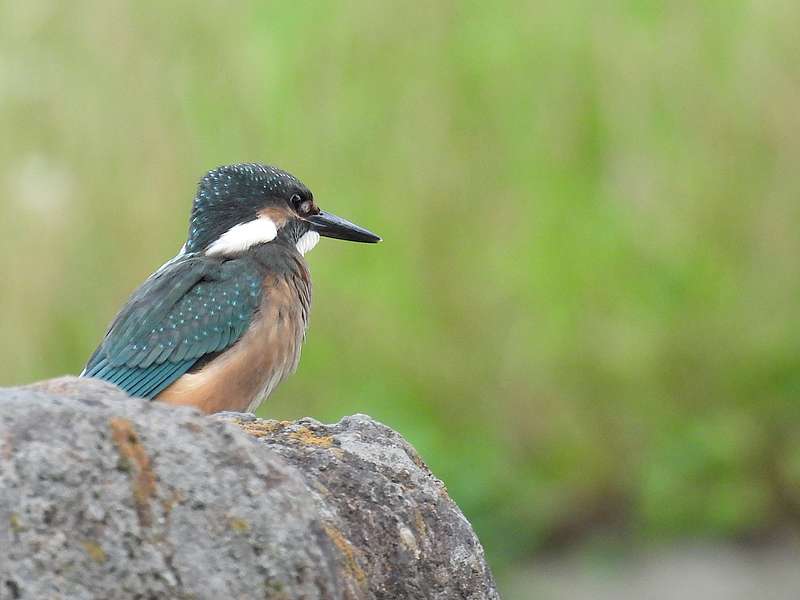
{"type": "Point", "coordinates": [305, 436]}
{"type": "Point", "coordinates": [348, 552]}
{"type": "Point", "coordinates": [136, 460]}
{"type": "Point", "coordinates": [95, 552]}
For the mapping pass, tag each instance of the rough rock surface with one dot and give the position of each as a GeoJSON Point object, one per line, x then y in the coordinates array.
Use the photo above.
{"type": "Point", "coordinates": [105, 496]}
{"type": "Point", "coordinates": [399, 533]}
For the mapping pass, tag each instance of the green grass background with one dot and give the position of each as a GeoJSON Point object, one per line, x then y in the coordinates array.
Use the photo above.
{"type": "Point", "coordinates": [585, 311]}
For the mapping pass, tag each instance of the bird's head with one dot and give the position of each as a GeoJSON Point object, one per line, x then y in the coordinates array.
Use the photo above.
{"type": "Point", "coordinates": [240, 206]}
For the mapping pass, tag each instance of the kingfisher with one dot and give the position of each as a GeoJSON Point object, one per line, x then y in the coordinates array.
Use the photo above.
{"type": "Point", "coordinates": [221, 324]}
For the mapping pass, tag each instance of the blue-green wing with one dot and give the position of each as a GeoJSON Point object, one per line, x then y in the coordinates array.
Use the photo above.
{"type": "Point", "coordinates": [193, 307]}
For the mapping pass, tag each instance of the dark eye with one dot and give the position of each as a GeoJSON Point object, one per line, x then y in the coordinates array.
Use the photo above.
{"type": "Point", "coordinates": [303, 207]}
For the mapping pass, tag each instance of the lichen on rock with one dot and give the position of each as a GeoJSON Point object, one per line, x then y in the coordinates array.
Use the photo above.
{"type": "Point", "coordinates": [106, 496]}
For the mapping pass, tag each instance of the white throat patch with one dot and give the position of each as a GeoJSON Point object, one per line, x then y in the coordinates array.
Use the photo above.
{"type": "Point", "coordinates": [307, 242]}
{"type": "Point", "coordinates": [244, 235]}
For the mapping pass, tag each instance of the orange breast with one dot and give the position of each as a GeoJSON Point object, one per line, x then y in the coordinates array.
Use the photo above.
{"type": "Point", "coordinates": [244, 375]}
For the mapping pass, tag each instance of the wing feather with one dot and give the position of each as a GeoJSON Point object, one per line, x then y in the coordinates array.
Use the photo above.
{"type": "Point", "coordinates": [192, 307]}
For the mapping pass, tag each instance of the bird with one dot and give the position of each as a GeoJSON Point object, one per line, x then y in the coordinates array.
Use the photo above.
{"type": "Point", "coordinates": [221, 324]}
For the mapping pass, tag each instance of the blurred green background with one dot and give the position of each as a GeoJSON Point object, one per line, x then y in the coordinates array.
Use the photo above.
{"type": "Point", "coordinates": [584, 313]}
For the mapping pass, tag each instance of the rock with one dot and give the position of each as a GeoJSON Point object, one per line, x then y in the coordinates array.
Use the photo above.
{"type": "Point", "coordinates": [398, 532]}
{"type": "Point", "coordinates": [106, 496]}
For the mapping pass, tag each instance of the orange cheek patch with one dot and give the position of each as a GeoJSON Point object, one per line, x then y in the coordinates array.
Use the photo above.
{"type": "Point", "coordinates": [278, 215]}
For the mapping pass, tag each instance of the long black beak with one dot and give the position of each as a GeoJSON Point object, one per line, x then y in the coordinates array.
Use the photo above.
{"type": "Point", "coordinates": [331, 226]}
